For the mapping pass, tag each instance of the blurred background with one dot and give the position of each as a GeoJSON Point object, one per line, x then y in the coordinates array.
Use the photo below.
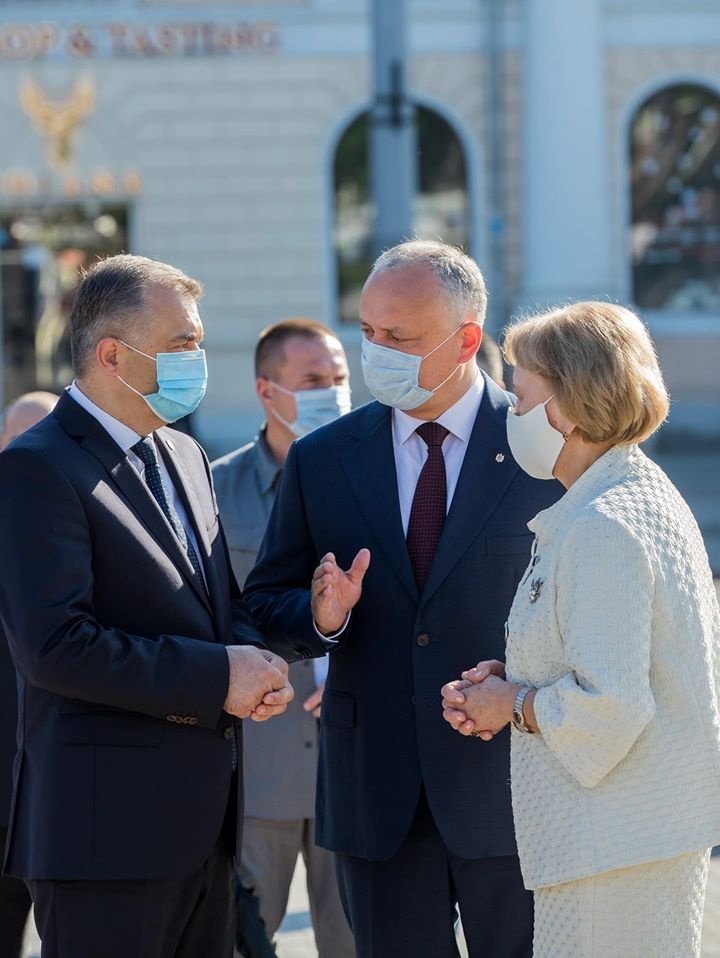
{"type": "Point", "coordinates": [272, 148]}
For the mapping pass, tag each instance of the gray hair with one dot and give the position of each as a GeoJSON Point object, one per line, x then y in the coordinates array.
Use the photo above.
{"type": "Point", "coordinates": [458, 274]}
{"type": "Point", "coordinates": [110, 301]}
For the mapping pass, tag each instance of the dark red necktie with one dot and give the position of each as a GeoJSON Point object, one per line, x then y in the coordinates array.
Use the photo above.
{"type": "Point", "coordinates": [429, 505]}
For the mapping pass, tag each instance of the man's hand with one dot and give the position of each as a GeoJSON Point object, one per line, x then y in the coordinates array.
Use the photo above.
{"type": "Point", "coordinates": [312, 702]}
{"type": "Point", "coordinates": [258, 686]}
{"type": "Point", "coordinates": [334, 592]}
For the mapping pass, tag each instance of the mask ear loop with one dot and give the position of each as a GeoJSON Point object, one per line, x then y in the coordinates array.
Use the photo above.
{"type": "Point", "coordinates": [276, 414]}
{"type": "Point", "coordinates": [568, 432]}
{"type": "Point", "coordinates": [151, 358]}
{"type": "Point", "coordinates": [447, 339]}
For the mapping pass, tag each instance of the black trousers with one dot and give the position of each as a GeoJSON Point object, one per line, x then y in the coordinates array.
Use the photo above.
{"type": "Point", "coordinates": [15, 905]}
{"type": "Point", "coordinates": [405, 906]}
{"type": "Point", "coordinates": [191, 917]}
{"type": "Point", "coordinates": [188, 917]}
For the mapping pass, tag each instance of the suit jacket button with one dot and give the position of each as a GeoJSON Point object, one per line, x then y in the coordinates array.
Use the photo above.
{"type": "Point", "coordinates": [423, 639]}
{"type": "Point", "coordinates": [228, 733]}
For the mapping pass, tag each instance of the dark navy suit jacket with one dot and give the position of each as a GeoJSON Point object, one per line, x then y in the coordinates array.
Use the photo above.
{"type": "Point", "coordinates": [382, 728]}
{"type": "Point", "coordinates": [8, 724]}
{"type": "Point", "coordinates": [124, 762]}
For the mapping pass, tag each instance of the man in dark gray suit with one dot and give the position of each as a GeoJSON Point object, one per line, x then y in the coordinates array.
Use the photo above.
{"type": "Point", "coordinates": [302, 382]}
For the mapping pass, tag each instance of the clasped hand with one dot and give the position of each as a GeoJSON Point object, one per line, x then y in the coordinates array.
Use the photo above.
{"type": "Point", "coordinates": [258, 687]}
{"type": "Point", "coordinates": [480, 702]}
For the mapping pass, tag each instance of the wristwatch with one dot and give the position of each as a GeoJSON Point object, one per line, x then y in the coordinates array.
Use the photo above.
{"type": "Point", "coordinates": [518, 719]}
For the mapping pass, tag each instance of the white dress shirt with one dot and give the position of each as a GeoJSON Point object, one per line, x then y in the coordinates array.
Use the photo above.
{"type": "Point", "coordinates": [126, 438]}
{"type": "Point", "coordinates": [411, 451]}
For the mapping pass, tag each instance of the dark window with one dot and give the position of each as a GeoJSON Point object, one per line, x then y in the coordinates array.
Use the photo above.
{"type": "Point", "coordinates": [42, 250]}
{"type": "Point", "coordinates": [675, 191]}
{"type": "Point", "coordinates": [440, 209]}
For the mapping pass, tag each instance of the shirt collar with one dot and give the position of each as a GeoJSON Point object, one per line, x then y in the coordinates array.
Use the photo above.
{"type": "Point", "coordinates": [267, 468]}
{"type": "Point", "coordinates": [459, 419]}
{"type": "Point", "coordinates": [123, 435]}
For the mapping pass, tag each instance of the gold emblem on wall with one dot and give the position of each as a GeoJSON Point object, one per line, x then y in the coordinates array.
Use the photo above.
{"type": "Point", "coordinates": [58, 119]}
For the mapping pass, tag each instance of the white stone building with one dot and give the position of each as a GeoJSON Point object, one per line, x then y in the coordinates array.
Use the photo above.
{"type": "Point", "coordinates": [573, 145]}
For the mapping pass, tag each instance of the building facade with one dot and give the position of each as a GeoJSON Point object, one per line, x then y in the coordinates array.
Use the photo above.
{"type": "Point", "coordinates": [573, 148]}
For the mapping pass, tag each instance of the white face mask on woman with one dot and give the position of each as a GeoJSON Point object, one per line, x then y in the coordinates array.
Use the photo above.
{"type": "Point", "coordinates": [534, 443]}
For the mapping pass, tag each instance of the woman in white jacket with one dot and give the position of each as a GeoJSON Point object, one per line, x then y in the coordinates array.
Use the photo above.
{"type": "Point", "coordinates": [612, 676]}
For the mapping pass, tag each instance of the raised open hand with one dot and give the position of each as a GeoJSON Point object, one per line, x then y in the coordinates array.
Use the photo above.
{"type": "Point", "coordinates": [334, 592]}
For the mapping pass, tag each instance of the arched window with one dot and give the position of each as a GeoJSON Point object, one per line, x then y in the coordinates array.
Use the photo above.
{"type": "Point", "coordinates": [441, 208]}
{"type": "Point", "coordinates": [675, 191]}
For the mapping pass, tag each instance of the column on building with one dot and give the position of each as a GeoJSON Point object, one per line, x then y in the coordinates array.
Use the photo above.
{"type": "Point", "coordinates": [566, 203]}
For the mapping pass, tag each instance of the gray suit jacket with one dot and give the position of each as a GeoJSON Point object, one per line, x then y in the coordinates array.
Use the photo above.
{"type": "Point", "coordinates": [280, 756]}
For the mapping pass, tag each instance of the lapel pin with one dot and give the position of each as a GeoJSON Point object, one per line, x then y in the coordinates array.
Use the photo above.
{"type": "Point", "coordinates": [500, 457]}
{"type": "Point", "coordinates": [535, 587]}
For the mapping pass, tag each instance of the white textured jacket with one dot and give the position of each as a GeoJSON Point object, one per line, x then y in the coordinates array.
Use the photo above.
{"type": "Point", "coordinates": [616, 623]}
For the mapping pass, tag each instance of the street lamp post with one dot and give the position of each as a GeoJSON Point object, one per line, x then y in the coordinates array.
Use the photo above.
{"type": "Point", "coordinates": [393, 149]}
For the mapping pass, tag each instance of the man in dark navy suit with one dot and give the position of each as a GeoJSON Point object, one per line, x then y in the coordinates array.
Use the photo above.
{"type": "Point", "coordinates": [418, 497]}
{"type": "Point", "coordinates": [15, 900]}
{"type": "Point", "coordinates": [133, 647]}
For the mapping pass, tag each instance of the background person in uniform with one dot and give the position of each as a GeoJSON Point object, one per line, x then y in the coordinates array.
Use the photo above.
{"type": "Point", "coordinates": [15, 898]}
{"type": "Point", "coordinates": [302, 383]}
{"type": "Point", "coordinates": [133, 647]}
{"type": "Point", "coordinates": [425, 480]}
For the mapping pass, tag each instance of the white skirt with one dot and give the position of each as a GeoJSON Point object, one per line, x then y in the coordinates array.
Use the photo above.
{"type": "Point", "coordinates": [645, 911]}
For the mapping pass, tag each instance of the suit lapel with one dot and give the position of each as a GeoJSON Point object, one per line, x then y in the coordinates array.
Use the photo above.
{"type": "Point", "coordinates": [95, 439]}
{"type": "Point", "coordinates": [487, 471]}
{"type": "Point", "coordinates": [369, 465]}
{"type": "Point", "coordinates": [185, 488]}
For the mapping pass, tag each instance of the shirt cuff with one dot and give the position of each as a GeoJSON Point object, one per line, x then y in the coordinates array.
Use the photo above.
{"type": "Point", "coordinates": [331, 640]}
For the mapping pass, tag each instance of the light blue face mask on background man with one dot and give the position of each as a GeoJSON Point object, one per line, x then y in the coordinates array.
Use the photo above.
{"type": "Point", "coordinates": [392, 376]}
{"type": "Point", "coordinates": [182, 380]}
{"type": "Point", "coordinates": [315, 407]}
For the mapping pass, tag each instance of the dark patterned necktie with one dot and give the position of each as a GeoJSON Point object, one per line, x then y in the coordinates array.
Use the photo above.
{"type": "Point", "coordinates": [429, 505]}
{"type": "Point", "coordinates": [145, 451]}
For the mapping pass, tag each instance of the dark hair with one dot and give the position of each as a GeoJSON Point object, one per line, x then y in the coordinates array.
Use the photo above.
{"type": "Point", "coordinates": [270, 349]}
{"type": "Point", "coordinates": [110, 301]}
{"type": "Point", "coordinates": [490, 359]}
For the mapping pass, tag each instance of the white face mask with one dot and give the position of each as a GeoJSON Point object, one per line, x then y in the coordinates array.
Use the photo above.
{"type": "Point", "coordinates": [393, 376]}
{"type": "Point", "coordinates": [315, 407]}
{"type": "Point", "coordinates": [534, 443]}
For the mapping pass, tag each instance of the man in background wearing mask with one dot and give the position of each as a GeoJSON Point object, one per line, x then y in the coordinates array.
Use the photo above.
{"type": "Point", "coordinates": [418, 497]}
{"type": "Point", "coordinates": [302, 383]}
{"type": "Point", "coordinates": [15, 899]}
{"type": "Point", "coordinates": [133, 647]}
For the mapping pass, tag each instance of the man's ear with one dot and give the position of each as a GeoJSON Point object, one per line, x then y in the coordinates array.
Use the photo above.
{"type": "Point", "coordinates": [106, 354]}
{"type": "Point", "coordinates": [471, 338]}
{"type": "Point", "coordinates": [263, 389]}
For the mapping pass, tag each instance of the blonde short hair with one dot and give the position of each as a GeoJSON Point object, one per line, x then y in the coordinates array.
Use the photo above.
{"type": "Point", "coordinates": [601, 364]}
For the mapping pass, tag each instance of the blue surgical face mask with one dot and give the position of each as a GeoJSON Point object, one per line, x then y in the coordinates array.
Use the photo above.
{"type": "Point", "coordinates": [315, 407]}
{"type": "Point", "coordinates": [392, 376]}
{"type": "Point", "coordinates": [182, 380]}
